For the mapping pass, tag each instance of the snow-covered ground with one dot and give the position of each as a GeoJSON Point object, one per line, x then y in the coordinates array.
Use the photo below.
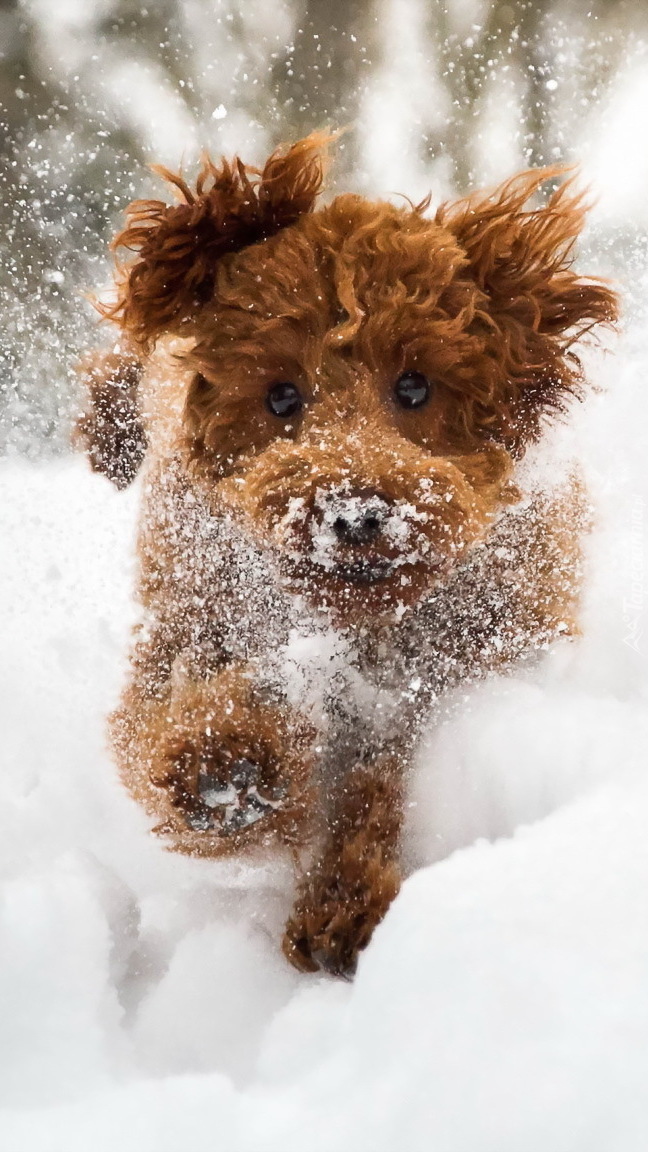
{"type": "Point", "coordinates": [503, 1004]}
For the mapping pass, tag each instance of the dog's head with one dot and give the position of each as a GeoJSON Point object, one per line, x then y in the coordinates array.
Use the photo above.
{"type": "Point", "coordinates": [365, 375]}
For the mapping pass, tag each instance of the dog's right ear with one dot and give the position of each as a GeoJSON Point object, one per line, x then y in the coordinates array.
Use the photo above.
{"type": "Point", "coordinates": [178, 247]}
{"type": "Point", "coordinates": [110, 429]}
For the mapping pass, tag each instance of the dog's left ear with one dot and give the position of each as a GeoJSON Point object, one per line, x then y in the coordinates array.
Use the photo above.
{"type": "Point", "coordinates": [535, 306]}
{"type": "Point", "coordinates": [521, 258]}
{"type": "Point", "coordinates": [178, 247]}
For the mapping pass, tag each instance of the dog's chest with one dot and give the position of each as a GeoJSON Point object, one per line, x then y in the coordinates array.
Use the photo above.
{"type": "Point", "coordinates": [376, 682]}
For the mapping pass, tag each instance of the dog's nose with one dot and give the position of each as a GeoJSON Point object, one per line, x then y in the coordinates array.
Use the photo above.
{"type": "Point", "coordinates": [359, 520]}
{"type": "Point", "coordinates": [359, 531]}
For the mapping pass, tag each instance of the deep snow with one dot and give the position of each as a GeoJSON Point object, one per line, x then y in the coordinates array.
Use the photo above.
{"type": "Point", "coordinates": [503, 1004]}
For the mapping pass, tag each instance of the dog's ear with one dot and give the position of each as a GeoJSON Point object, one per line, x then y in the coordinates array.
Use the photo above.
{"type": "Point", "coordinates": [110, 428]}
{"type": "Point", "coordinates": [179, 246]}
{"type": "Point", "coordinates": [536, 306]}
{"type": "Point", "coordinates": [522, 258]}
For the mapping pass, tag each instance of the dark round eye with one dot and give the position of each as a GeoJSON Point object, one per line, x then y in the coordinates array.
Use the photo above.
{"type": "Point", "coordinates": [412, 390]}
{"type": "Point", "coordinates": [284, 400]}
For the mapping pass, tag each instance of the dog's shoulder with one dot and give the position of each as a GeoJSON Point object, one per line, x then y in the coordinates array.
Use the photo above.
{"type": "Point", "coordinates": [516, 593]}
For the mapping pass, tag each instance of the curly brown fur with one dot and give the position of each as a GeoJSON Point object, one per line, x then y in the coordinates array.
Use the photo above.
{"type": "Point", "coordinates": [405, 533]}
{"type": "Point", "coordinates": [231, 207]}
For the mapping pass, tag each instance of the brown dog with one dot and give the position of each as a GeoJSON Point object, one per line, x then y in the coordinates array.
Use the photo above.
{"type": "Point", "coordinates": [332, 404]}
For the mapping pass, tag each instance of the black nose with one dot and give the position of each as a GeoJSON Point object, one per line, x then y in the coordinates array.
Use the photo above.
{"type": "Point", "coordinates": [360, 528]}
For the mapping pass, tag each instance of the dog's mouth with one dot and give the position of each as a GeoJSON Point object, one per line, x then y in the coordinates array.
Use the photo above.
{"type": "Point", "coordinates": [363, 571]}
{"type": "Point", "coordinates": [370, 574]}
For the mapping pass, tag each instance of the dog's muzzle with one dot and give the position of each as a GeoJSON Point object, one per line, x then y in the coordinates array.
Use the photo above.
{"type": "Point", "coordinates": [355, 534]}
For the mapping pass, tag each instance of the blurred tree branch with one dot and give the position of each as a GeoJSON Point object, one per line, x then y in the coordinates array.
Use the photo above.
{"type": "Point", "coordinates": [515, 35]}
{"type": "Point", "coordinates": [321, 77]}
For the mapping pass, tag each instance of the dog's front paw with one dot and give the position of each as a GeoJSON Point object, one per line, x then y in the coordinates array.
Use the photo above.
{"type": "Point", "coordinates": [235, 769]}
{"type": "Point", "coordinates": [336, 914]}
{"type": "Point", "coordinates": [246, 798]}
{"type": "Point", "coordinates": [220, 787]}
{"type": "Point", "coordinates": [230, 767]}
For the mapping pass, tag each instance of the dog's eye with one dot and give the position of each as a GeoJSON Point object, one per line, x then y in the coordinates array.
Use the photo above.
{"type": "Point", "coordinates": [284, 400]}
{"type": "Point", "coordinates": [412, 390]}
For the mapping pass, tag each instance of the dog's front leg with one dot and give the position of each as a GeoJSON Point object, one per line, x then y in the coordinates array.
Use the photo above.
{"type": "Point", "coordinates": [221, 766]}
{"type": "Point", "coordinates": [351, 885]}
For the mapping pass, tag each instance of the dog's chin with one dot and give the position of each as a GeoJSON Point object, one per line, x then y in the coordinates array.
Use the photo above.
{"type": "Point", "coordinates": [356, 590]}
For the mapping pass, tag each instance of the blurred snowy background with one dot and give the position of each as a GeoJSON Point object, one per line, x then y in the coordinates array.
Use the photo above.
{"type": "Point", "coordinates": [440, 95]}
{"type": "Point", "coordinates": [503, 1004]}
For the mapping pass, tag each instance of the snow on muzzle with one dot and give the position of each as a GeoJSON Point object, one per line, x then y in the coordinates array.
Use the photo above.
{"type": "Point", "coordinates": [361, 534]}
{"type": "Point", "coordinates": [382, 516]}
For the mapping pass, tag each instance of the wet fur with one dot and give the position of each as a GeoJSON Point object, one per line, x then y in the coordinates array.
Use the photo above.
{"type": "Point", "coordinates": [247, 282]}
